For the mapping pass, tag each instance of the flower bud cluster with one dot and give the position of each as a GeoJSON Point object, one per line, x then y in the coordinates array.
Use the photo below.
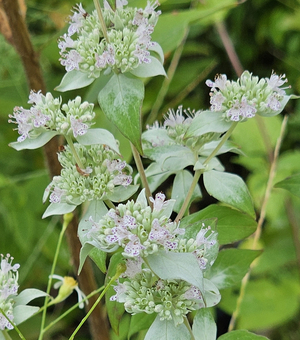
{"type": "Point", "coordinates": [242, 99]}
{"type": "Point", "coordinates": [8, 289]}
{"type": "Point", "coordinates": [170, 299]}
{"type": "Point", "coordinates": [101, 172]}
{"type": "Point", "coordinates": [136, 228]}
{"type": "Point", "coordinates": [129, 30]}
{"type": "Point", "coordinates": [46, 115]}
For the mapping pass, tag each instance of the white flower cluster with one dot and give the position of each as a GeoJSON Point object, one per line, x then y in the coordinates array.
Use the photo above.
{"type": "Point", "coordinates": [242, 99]}
{"type": "Point", "coordinates": [46, 115]}
{"type": "Point", "coordinates": [101, 173]}
{"type": "Point", "coordinates": [127, 45]}
{"type": "Point", "coordinates": [8, 289]}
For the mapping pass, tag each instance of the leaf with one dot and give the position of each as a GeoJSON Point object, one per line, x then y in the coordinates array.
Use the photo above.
{"type": "Point", "coordinates": [22, 313]}
{"type": "Point", "coordinates": [99, 136]}
{"type": "Point", "coordinates": [207, 121]}
{"type": "Point", "coordinates": [233, 225]}
{"type": "Point", "coordinates": [139, 322]}
{"type": "Point", "coordinates": [204, 326]}
{"type": "Point", "coordinates": [241, 335]}
{"type": "Point", "coordinates": [115, 310]}
{"type": "Point", "coordinates": [154, 68]}
{"type": "Point", "coordinates": [283, 104]}
{"type": "Point", "coordinates": [159, 52]}
{"type": "Point", "coordinates": [181, 186]}
{"type": "Point", "coordinates": [182, 266]}
{"type": "Point", "coordinates": [74, 80]}
{"type": "Point", "coordinates": [155, 176]}
{"type": "Point", "coordinates": [211, 294]}
{"type": "Point", "coordinates": [292, 184]}
{"type": "Point", "coordinates": [84, 252]}
{"type": "Point", "coordinates": [121, 100]}
{"type": "Point", "coordinates": [231, 266]}
{"type": "Point", "coordinates": [229, 188]}
{"type": "Point", "coordinates": [166, 330]}
{"type": "Point", "coordinates": [28, 295]}
{"type": "Point", "coordinates": [121, 193]}
{"type": "Point", "coordinates": [35, 143]}
{"type": "Point", "coordinates": [58, 209]}
{"type": "Point", "coordinates": [99, 257]}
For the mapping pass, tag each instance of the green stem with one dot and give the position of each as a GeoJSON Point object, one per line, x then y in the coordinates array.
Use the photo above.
{"type": "Point", "coordinates": [71, 309]}
{"type": "Point", "coordinates": [67, 220]}
{"type": "Point", "coordinates": [198, 173]}
{"type": "Point", "coordinates": [110, 204]}
{"type": "Point", "coordinates": [188, 326]}
{"type": "Point", "coordinates": [140, 167]}
{"type": "Point", "coordinates": [14, 326]}
{"type": "Point", "coordinates": [113, 279]}
{"type": "Point", "coordinates": [74, 152]}
{"type": "Point", "coordinates": [101, 19]}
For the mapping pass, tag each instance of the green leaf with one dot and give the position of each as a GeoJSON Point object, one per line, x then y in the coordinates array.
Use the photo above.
{"type": "Point", "coordinates": [159, 52]}
{"type": "Point", "coordinates": [207, 121]}
{"type": "Point", "coordinates": [292, 184]}
{"type": "Point", "coordinates": [283, 104]}
{"type": "Point", "coordinates": [121, 193]}
{"type": "Point", "coordinates": [182, 266]}
{"type": "Point", "coordinates": [241, 335]}
{"type": "Point", "coordinates": [233, 225]}
{"type": "Point", "coordinates": [181, 186]}
{"type": "Point", "coordinates": [74, 80]}
{"type": "Point", "coordinates": [22, 313]}
{"type": "Point", "coordinates": [121, 100]}
{"type": "Point", "coordinates": [152, 69]}
{"type": "Point", "coordinates": [211, 296]}
{"type": "Point", "coordinates": [99, 257]}
{"type": "Point", "coordinates": [99, 136]}
{"type": "Point", "coordinates": [166, 330]}
{"type": "Point", "coordinates": [139, 322]}
{"type": "Point", "coordinates": [204, 326]}
{"type": "Point", "coordinates": [231, 266]}
{"type": "Point", "coordinates": [35, 143]}
{"type": "Point", "coordinates": [58, 209]}
{"type": "Point", "coordinates": [84, 252]}
{"type": "Point", "coordinates": [28, 295]}
{"type": "Point", "coordinates": [115, 310]}
{"type": "Point", "coordinates": [230, 189]}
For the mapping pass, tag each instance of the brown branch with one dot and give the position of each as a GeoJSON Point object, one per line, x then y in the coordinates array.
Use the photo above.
{"type": "Point", "coordinates": [20, 39]}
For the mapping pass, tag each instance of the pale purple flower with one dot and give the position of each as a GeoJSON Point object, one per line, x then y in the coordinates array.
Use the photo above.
{"type": "Point", "coordinates": [71, 61]}
{"type": "Point", "coordinates": [276, 81]}
{"type": "Point", "coordinates": [193, 293]}
{"type": "Point", "coordinates": [241, 110]}
{"type": "Point", "coordinates": [273, 103]}
{"type": "Point", "coordinates": [118, 234]}
{"type": "Point", "coordinates": [133, 267]}
{"type": "Point", "coordinates": [35, 97]}
{"type": "Point", "coordinates": [106, 58]}
{"type": "Point", "coordinates": [39, 119]}
{"type": "Point", "coordinates": [56, 195]}
{"type": "Point", "coordinates": [129, 222]}
{"type": "Point", "coordinates": [158, 202]}
{"type": "Point", "coordinates": [220, 82]}
{"type": "Point", "coordinates": [134, 246]}
{"type": "Point", "coordinates": [122, 179]}
{"type": "Point", "coordinates": [115, 165]}
{"type": "Point", "coordinates": [6, 266]}
{"type": "Point", "coordinates": [76, 19]}
{"type": "Point", "coordinates": [78, 127]}
{"type": "Point", "coordinates": [216, 101]}
{"type": "Point", "coordinates": [65, 42]}
{"type": "Point", "coordinates": [120, 289]}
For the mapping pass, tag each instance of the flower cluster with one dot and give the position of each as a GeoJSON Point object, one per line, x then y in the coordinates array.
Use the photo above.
{"type": "Point", "coordinates": [101, 171]}
{"type": "Point", "coordinates": [46, 115]}
{"type": "Point", "coordinates": [136, 228]}
{"type": "Point", "coordinates": [126, 46]}
{"type": "Point", "coordinates": [242, 99]}
{"type": "Point", "coordinates": [8, 289]}
{"type": "Point", "coordinates": [170, 299]}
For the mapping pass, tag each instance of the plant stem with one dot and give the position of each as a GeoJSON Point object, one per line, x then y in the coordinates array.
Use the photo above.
{"type": "Point", "coordinates": [109, 204]}
{"type": "Point", "coordinates": [74, 152]}
{"type": "Point", "coordinates": [67, 220]}
{"type": "Point", "coordinates": [114, 278]}
{"type": "Point", "coordinates": [198, 173]}
{"type": "Point", "coordinates": [259, 224]}
{"type": "Point", "coordinates": [140, 168]}
{"type": "Point", "coordinates": [188, 326]}
{"type": "Point", "coordinates": [102, 22]}
{"type": "Point", "coordinates": [14, 326]}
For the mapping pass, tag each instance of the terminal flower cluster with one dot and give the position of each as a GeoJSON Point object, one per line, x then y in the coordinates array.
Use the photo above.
{"type": "Point", "coordinates": [102, 171]}
{"type": "Point", "coordinates": [8, 289]}
{"type": "Point", "coordinates": [46, 115]}
{"type": "Point", "coordinates": [249, 95]}
{"type": "Point", "coordinates": [127, 45]}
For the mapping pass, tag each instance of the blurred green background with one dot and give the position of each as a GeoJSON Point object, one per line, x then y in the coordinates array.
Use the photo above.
{"type": "Point", "coordinates": [266, 37]}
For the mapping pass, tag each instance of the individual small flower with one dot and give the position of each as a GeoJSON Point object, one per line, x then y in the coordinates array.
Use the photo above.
{"type": "Point", "coordinates": [242, 99]}
{"type": "Point", "coordinates": [8, 289]}
{"type": "Point", "coordinates": [101, 172]}
{"type": "Point", "coordinates": [66, 287]}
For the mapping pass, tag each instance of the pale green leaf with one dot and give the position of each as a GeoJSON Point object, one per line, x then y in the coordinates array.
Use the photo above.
{"type": "Point", "coordinates": [35, 143]}
{"type": "Point", "coordinates": [292, 184]}
{"type": "Point", "coordinates": [74, 80]}
{"type": "Point", "coordinates": [122, 193]}
{"type": "Point", "coordinates": [204, 326]}
{"type": "Point", "coordinates": [28, 295]}
{"type": "Point", "coordinates": [241, 335]}
{"type": "Point", "coordinates": [58, 209]}
{"type": "Point", "coordinates": [154, 68]}
{"type": "Point", "coordinates": [22, 313]}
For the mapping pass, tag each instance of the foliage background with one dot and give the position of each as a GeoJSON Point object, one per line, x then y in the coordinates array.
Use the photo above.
{"type": "Point", "coordinates": [266, 37]}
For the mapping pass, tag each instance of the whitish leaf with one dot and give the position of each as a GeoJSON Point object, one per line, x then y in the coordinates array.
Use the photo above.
{"type": "Point", "coordinates": [182, 266]}
{"type": "Point", "coordinates": [121, 193]}
{"type": "Point", "coordinates": [230, 189]}
{"type": "Point", "coordinates": [181, 186]}
{"type": "Point", "coordinates": [283, 104]}
{"type": "Point", "coordinates": [152, 69]}
{"type": "Point", "coordinates": [22, 313]}
{"type": "Point", "coordinates": [166, 330]}
{"type": "Point", "coordinates": [99, 136]}
{"type": "Point", "coordinates": [28, 295]}
{"type": "Point", "coordinates": [204, 326]}
{"type": "Point", "coordinates": [211, 294]}
{"type": "Point", "coordinates": [121, 100]}
{"type": "Point", "coordinates": [74, 80]}
{"type": "Point", "coordinates": [159, 51]}
{"type": "Point", "coordinates": [35, 143]}
{"type": "Point", "coordinates": [231, 266]}
{"type": "Point", "coordinates": [58, 209]}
